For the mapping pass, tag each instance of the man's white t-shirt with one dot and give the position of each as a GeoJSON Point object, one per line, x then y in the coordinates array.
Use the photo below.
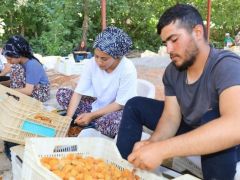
{"type": "Point", "coordinates": [118, 86]}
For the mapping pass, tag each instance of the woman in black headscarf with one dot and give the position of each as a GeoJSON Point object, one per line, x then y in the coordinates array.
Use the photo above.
{"type": "Point", "coordinates": [26, 74]}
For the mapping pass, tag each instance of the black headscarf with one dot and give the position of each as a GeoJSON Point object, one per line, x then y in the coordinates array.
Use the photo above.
{"type": "Point", "coordinates": [17, 47]}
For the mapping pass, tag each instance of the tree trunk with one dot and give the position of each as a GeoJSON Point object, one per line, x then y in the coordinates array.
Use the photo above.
{"type": "Point", "coordinates": [85, 20]}
{"type": "Point", "coordinates": [22, 30]}
{"type": "Point", "coordinates": [11, 22]}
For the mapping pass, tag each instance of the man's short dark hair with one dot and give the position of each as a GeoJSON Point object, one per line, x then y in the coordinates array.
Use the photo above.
{"type": "Point", "coordinates": [187, 16]}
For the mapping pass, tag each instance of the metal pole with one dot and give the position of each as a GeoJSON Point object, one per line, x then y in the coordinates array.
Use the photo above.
{"type": "Point", "coordinates": [103, 11]}
{"type": "Point", "coordinates": [208, 19]}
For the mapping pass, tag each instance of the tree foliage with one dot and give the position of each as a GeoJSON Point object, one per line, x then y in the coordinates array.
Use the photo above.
{"type": "Point", "coordinates": [56, 27]}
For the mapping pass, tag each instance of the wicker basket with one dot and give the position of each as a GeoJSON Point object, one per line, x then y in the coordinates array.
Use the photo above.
{"type": "Point", "coordinates": [59, 147]}
{"type": "Point", "coordinates": [17, 109]}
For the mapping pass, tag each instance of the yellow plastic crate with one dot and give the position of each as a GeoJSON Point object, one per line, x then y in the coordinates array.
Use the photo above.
{"type": "Point", "coordinates": [18, 122]}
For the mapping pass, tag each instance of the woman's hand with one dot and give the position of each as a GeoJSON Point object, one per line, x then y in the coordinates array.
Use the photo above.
{"type": "Point", "coordinates": [7, 68]}
{"type": "Point", "coordinates": [84, 119]}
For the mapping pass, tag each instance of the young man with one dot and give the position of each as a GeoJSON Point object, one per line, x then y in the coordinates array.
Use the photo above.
{"type": "Point", "coordinates": [200, 115]}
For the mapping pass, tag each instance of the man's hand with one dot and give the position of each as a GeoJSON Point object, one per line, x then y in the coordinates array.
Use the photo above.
{"type": "Point", "coordinates": [139, 144]}
{"type": "Point", "coordinates": [84, 119]}
{"type": "Point", "coordinates": [146, 156]}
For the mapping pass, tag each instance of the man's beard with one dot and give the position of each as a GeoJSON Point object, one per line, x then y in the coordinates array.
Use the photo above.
{"type": "Point", "coordinates": [191, 55]}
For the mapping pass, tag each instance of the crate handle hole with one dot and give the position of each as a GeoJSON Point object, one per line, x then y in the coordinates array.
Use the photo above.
{"type": "Point", "coordinates": [65, 148]}
{"type": "Point", "coordinates": [12, 95]}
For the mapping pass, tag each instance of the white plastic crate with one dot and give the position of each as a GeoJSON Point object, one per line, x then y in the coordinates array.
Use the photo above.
{"type": "Point", "coordinates": [186, 177]}
{"type": "Point", "coordinates": [69, 66]}
{"type": "Point", "coordinates": [59, 147]}
{"type": "Point", "coordinates": [49, 62]}
{"type": "Point", "coordinates": [18, 110]}
{"type": "Point", "coordinates": [182, 163]}
{"type": "Point", "coordinates": [145, 88]}
{"type": "Point", "coordinates": [16, 160]}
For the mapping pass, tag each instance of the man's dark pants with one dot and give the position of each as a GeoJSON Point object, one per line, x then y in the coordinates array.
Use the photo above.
{"type": "Point", "coordinates": [141, 111]}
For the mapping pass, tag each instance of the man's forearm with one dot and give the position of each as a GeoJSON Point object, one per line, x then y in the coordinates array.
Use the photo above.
{"type": "Point", "coordinates": [165, 129]}
{"type": "Point", "coordinates": [170, 120]}
{"type": "Point", "coordinates": [214, 136]}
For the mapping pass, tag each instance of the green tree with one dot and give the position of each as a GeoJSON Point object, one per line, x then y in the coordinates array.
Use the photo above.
{"type": "Point", "coordinates": [56, 27]}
